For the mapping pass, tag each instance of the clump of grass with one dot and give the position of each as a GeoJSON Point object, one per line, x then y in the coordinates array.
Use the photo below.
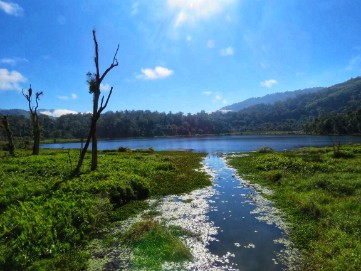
{"type": "Point", "coordinates": [153, 244]}
{"type": "Point", "coordinates": [320, 194]}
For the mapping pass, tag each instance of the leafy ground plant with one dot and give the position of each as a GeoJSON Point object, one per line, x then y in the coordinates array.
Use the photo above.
{"type": "Point", "coordinates": [48, 217]}
{"type": "Point", "coordinates": [320, 195]}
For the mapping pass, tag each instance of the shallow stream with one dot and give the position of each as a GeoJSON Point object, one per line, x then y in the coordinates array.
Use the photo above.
{"type": "Point", "coordinates": [248, 227]}
{"type": "Point", "coordinates": [230, 226]}
{"type": "Point", "coordinates": [234, 226]}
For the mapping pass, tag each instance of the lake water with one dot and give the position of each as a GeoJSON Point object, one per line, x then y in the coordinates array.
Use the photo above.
{"type": "Point", "coordinates": [213, 144]}
{"type": "Point", "coordinates": [250, 242]}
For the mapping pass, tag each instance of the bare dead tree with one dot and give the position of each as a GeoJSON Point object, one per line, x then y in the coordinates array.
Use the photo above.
{"type": "Point", "coordinates": [94, 81]}
{"type": "Point", "coordinates": [9, 135]}
{"type": "Point", "coordinates": [34, 117]}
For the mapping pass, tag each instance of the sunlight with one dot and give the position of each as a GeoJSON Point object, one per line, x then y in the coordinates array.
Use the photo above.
{"type": "Point", "coordinates": [190, 11]}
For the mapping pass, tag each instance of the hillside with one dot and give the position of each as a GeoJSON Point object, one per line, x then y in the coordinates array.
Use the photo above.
{"type": "Point", "coordinates": [14, 112]}
{"type": "Point", "coordinates": [333, 109]}
{"type": "Point", "coordinates": [269, 99]}
{"type": "Point", "coordinates": [26, 113]}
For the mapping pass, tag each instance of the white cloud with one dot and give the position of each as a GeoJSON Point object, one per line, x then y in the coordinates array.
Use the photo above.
{"type": "Point", "coordinates": [229, 51]}
{"type": "Point", "coordinates": [58, 112]}
{"type": "Point", "coordinates": [105, 87]}
{"type": "Point", "coordinates": [207, 93]}
{"type": "Point", "coordinates": [181, 18]}
{"type": "Point", "coordinates": [188, 11]}
{"type": "Point", "coordinates": [11, 8]}
{"type": "Point", "coordinates": [224, 111]}
{"type": "Point", "coordinates": [12, 61]}
{"type": "Point", "coordinates": [354, 63]}
{"type": "Point", "coordinates": [134, 9]}
{"type": "Point", "coordinates": [218, 98]}
{"type": "Point", "coordinates": [63, 98]}
{"type": "Point", "coordinates": [9, 80]}
{"type": "Point", "coordinates": [73, 96]}
{"type": "Point", "coordinates": [268, 83]}
{"type": "Point", "coordinates": [156, 73]}
{"type": "Point", "coordinates": [9, 61]}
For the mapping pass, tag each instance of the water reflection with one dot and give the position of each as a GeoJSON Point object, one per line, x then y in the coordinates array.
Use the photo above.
{"type": "Point", "coordinates": [240, 233]}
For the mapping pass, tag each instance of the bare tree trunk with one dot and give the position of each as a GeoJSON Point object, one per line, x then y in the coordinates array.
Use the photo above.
{"type": "Point", "coordinates": [94, 162]}
{"type": "Point", "coordinates": [9, 135]}
{"type": "Point", "coordinates": [34, 118]}
{"type": "Point", "coordinates": [94, 81]}
{"type": "Point", "coordinates": [91, 134]}
{"type": "Point", "coordinates": [83, 152]}
{"type": "Point", "coordinates": [36, 134]}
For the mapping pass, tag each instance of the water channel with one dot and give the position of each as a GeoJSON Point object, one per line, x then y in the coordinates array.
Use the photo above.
{"type": "Point", "coordinates": [247, 232]}
{"type": "Point", "coordinates": [251, 242]}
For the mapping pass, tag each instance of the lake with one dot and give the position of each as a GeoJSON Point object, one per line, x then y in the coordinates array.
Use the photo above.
{"type": "Point", "coordinates": [213, 144]}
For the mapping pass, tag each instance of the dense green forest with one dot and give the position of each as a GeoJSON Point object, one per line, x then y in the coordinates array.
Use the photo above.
{"type": "Point", "coordinates": [332, 110]}
{"type": "Point", "coordinates": [269, 99]}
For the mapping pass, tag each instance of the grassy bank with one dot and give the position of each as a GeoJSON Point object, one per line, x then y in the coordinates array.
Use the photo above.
{"type": "Point", "coordinates": [47, 218]}
{"type": "Point", "coordinates": [319, 189]}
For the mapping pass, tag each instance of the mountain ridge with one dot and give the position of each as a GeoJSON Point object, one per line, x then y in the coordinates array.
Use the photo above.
{"type": "Point", "coordinates": [269, 99]}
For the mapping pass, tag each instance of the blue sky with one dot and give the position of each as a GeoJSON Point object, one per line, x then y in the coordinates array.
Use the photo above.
{"type": "Point", "coordinates": [175, 55]}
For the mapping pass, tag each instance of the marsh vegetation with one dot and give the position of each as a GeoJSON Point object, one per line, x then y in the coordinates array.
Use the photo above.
{"type": "Point", "coordinates": [319, 190]}
{"type": "Point", "coordinates": [48, 217]}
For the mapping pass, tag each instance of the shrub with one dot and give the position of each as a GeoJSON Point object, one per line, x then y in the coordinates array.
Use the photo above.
{"type": "Point", "coordinates": [123, 149]}
{"type": "Point", "coordinates": [265, 150]}
{"type": "Point", "coordinates": [343, 154]}
{"type": "Point", "coordinates": [274, 176]}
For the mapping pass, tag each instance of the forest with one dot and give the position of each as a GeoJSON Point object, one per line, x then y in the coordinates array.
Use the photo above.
{"type": "Point", "coordinates": [332, 110]}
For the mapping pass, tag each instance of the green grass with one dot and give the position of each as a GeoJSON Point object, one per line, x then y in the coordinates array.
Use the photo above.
{"type": "Point", "coordinates": [320, 194]}
{"type": "Point", "coordinates": [153, 244]}
{"type": "Point", "coordinates": [47, 218]}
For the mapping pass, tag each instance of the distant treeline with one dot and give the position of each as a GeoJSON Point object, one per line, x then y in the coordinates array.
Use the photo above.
{"type": "Point", "coordinates": [332, 110]}
{"type": "Point", "coordinates": [149, 124]}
